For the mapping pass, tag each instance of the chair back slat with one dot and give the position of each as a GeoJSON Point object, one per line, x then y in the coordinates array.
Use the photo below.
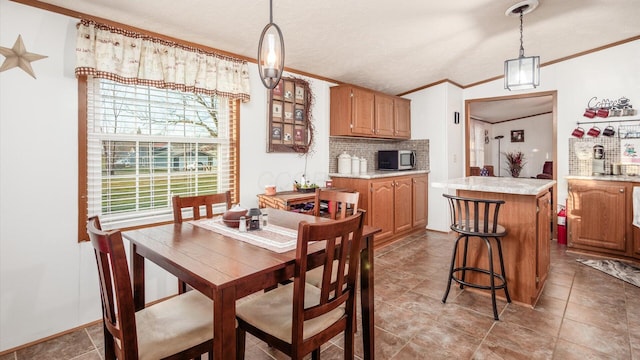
{"type": "Point", "coordinates": [342, 246]}
{"type": "Point", "coordinates": [115, 290]}
{"type": "Point", "coordinates": [196, 202]}
{"type": "Point", "coordinates": [474, 216]}
{"type": "Point", "coordinates": [340, 203]}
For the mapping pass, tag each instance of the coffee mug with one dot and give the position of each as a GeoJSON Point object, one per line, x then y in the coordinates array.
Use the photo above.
{"type": "Point", "coordinates": [602, 112]}
{"type": "Point", "coordinates": [594, 131]}
{"type": "Point", "coordinates": [590, 113]}
{"type": "Point", "coordinates": [615, 112]}
{"type": "Point", "coordinates": [578, 132]}
{"type": "Point", "coordinates": [608, 131]}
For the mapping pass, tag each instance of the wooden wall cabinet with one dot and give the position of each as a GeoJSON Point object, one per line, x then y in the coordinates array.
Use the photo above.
{"type": "Point", "coordinates": [386, 199]}
{"type": "Point", "coordinates": [365, 113]}
{"type": "Point", "coordinates": [599, 217]}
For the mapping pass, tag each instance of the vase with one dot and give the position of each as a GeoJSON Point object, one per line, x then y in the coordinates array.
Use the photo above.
{"type": "Point", "coordinates": [515, 173]}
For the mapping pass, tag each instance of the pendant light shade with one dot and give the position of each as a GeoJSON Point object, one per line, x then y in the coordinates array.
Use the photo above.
{"type": "Point", "coordinates": [523, 72]}
{"type": "Point", "coordinates": [271, 53]}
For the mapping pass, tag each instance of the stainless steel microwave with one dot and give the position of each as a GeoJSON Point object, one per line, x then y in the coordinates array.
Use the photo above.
{"type": "Point", "coordinates": [396, 160]}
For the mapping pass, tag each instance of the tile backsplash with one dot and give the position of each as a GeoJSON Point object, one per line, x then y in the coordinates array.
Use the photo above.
{"type": "Point", "coordinates": [368, 148]}
{"type": "Point", "coordinates": [583, 167]}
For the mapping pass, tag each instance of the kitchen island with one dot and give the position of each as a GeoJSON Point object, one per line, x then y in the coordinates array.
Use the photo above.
{"type": "Point", "coordinates": [526, 214]}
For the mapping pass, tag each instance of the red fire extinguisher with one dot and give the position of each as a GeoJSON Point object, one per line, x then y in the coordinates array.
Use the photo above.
{"type": "Point", "coordinates": [562, 226]}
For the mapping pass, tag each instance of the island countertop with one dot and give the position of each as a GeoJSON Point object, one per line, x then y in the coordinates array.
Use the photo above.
{"type": "Point", "coordinates": [505, 185]}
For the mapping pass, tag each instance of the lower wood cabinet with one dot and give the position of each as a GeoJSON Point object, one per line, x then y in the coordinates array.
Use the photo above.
{"type": "Point", "coordinates": [396, 204]}
{"type": "Point", "coordinates": [599, 218]}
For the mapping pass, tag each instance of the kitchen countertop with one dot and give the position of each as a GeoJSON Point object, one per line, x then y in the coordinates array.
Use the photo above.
{"type": "Point", "coordinates": [379, 174]}
{"type": "Point", "coordinates": [625, 178]}
{"type": "Point", "coordinates": [506, 185]}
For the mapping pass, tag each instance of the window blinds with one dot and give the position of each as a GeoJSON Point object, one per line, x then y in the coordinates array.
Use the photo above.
{"type": "Point", "coordinates": [145, 145]}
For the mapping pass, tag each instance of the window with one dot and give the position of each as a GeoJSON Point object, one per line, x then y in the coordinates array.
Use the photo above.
{"type": "Point", "coordinates": [477, 139]}
{"type": "Point", "coordinates": [144, 144]}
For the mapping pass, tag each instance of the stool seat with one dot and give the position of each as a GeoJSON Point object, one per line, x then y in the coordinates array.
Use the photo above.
{"type": "Point", "coordinates": [477, 219]}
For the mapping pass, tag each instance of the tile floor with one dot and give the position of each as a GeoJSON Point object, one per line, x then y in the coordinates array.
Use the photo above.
{"type": "Point", "coordinates": [582, 314]}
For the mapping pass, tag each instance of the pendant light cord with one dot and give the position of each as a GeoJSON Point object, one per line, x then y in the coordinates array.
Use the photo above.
{"type": "Point", "coordinates": [521, 37]}
{"type": "Point", "coordinates": [271, 16]}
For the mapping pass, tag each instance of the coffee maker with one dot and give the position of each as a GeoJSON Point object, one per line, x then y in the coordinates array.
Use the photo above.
{"type": "Point", "coordinates": [598, 160]}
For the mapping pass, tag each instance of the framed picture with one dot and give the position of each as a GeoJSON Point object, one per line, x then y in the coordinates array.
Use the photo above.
{"type": "Point", "coordinates": [517, 135]}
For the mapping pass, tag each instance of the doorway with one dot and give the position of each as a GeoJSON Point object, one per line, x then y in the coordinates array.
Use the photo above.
{"type": "Point", "coordinates": [499, 113]}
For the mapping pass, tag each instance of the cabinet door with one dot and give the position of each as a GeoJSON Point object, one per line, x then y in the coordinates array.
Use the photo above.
{"type": "Point", "coordinates": [402, 118]}
{"type": "Point", "coordinates": [543, 238]}
{"type": "Point", "coordinates": [420, 186]}
{"type": "Point", "coordinates": [381, 207]}
{"type": "Point", "coordinates": [340, 111]}
{"type": "Point", "coordinates": [384, 116]}
{"type": "Point", "coordinates": [362, 112]}
{"type": "Point", "coordinates": [402, 204]}
{"type": "Point", "coordinates": [597, 216]}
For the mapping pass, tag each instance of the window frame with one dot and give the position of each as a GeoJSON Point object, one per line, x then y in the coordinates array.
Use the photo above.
{"type": "Point", "coordinates": [234, 154]}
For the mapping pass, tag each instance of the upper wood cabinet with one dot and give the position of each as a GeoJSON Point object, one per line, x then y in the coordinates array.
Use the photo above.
{"type": "Point", "coordinates": [365, 113]}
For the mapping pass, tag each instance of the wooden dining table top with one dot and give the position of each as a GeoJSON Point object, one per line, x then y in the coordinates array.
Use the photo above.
{"type": "Point", "coordinates": [226, 269]}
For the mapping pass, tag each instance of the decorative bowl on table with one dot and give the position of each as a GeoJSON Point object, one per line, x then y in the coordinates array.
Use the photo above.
{"type": "Point", "coordinates": [307, 188]}
{"type": "Point", "coordinates": [231, 217]}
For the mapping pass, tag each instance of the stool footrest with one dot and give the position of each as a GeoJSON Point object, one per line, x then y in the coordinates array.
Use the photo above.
{"type": "Point", "coordinates": [502, 285]}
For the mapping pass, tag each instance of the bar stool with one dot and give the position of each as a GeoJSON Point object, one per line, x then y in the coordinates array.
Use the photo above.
{"type": "Point", "coordinates": [477, 218]}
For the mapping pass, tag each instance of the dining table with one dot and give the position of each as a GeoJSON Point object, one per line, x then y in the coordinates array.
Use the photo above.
{"type": "Point", "coordinates": [226, 269]}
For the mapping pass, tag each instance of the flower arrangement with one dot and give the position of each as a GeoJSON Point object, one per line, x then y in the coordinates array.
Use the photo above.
{"type": "Point", "coordinates": [515, 162]}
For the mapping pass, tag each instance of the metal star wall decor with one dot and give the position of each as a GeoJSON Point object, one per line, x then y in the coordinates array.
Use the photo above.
{"type": "Point", "coordinates": [19, 57]}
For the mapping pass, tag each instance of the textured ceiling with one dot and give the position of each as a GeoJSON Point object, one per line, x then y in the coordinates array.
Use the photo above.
{"type": "Point", "coordinates": [390, 46]}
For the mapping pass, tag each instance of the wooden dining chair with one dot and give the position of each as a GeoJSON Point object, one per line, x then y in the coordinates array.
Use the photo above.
{"type": "Point", "coordinates": [178, 328]}
{"type": "Point", "coordinates": [339, 203]}
{"type": "Point", "coordinates": [195, 203]}
{"type": "Point", "coordinates": [298, 318]}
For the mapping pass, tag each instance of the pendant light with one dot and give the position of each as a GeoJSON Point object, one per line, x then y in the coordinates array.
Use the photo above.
{"type": "Point", "coordinates": [271, 53]}
{"type": "Point", "coordinates": [524, 72]}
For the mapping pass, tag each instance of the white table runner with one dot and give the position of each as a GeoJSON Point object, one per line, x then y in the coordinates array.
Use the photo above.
{"type": "Point", "coordinates": [272, 237]}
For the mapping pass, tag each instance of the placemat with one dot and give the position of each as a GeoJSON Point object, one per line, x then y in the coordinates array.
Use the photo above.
{"type": "Point", "coordinates": [272, 237]}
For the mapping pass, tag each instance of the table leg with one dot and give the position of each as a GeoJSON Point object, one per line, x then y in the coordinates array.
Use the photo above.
{"type": "Point", "coordinates": [137, 271]}
{"type": "Point", "coordinates": [366, 298]}
{"type": "Point", "coordinates": [224, 325]}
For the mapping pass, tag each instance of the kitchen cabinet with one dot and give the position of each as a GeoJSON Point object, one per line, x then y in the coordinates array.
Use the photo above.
{"type": "Point", "coordinates": [599, 216]}
{"type": "Point", "coordinates": [402, 118]}
{"type": "Point", "coordinates": [525, 248]}
{"type": "Point", "coordinates": [420, 200]}
{"type": "Point", "coordinates": [386, 201]}
{"type": "Point", "coordinates": [364, 113]}
{"type": "Point", "coordinates": [543, 238]}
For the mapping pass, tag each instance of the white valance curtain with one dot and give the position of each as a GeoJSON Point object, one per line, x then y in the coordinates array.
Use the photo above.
{"type": "Point", "coordinates": [132, 58]}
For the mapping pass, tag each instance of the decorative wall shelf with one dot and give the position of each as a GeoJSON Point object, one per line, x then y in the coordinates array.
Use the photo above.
{"type": "Point", "coordinates": [289, 117]}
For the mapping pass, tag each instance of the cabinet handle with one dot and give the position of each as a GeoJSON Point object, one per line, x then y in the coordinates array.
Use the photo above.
{"type": "Point", "coordinates": [621, 190]}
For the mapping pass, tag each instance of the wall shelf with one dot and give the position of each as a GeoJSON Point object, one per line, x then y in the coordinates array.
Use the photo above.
{"type": "Point", "coordinates": [605, 120]}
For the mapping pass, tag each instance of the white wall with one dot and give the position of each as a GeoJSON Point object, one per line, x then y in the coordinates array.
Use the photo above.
{"type": "Point", "coordinates": [48, 282]}
{"type": "Point", "coordinates": [432, 113]}
{"type": "Point", "coordinates": [537, 145]}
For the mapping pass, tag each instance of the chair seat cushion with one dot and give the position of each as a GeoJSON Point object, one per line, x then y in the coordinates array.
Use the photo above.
{"type": "Point", "coordinates": [174, 325]}
{"type": "Point", "coordinates": [272, 312]}
{"type": "Point", "coordinates": [462, 228]}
